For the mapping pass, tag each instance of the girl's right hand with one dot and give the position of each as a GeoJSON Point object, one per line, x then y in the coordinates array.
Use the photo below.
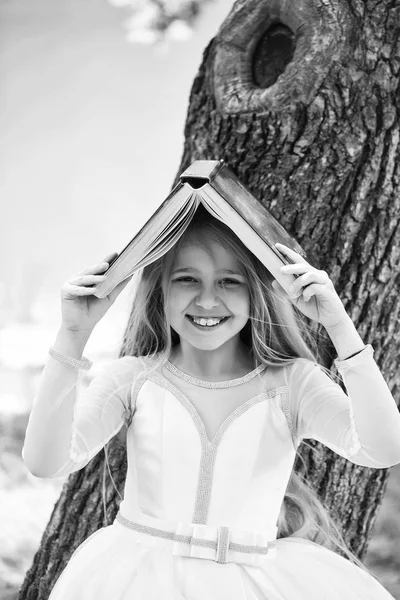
{"type": "Point", "coordinates": [80, 309]}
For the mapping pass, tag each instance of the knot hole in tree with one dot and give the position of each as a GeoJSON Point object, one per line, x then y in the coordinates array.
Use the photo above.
{"type": "Point", "coordinates": [272, 54]}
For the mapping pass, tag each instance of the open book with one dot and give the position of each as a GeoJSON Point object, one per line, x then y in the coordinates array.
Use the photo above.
{"type": "Point", "coordinates": [213, 184]}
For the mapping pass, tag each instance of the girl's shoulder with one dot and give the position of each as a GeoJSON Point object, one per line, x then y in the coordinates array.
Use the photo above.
{"type": "Point", "coordinates": [137, 364]}
{"type": "Point", "coordinates": [302, 365]}
{"type": "Point", "coordinates": [123, 369]}
{"type": "Point", "coordinates": [284, 375]}
{"type": "Point", "coordinates": [307, 372]}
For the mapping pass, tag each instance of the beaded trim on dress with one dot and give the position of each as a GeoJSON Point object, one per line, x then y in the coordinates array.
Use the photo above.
{"type": "Point", "coordinates": [213, 384]}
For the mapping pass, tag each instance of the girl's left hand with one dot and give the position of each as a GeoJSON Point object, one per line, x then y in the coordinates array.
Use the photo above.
{"type": "Point", "coordinates": [328, 308]}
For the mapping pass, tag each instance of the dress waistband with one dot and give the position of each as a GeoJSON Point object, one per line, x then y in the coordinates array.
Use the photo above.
{"type": "Point", "coordinates": [219, 543]}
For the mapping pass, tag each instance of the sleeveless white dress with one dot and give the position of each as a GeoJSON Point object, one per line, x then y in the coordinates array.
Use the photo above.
{"type": "Point", "coordinates": [198, 520]}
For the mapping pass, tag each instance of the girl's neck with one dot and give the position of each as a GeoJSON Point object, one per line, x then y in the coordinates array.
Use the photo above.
{"type": "Point", "coordinates": [213, 365]}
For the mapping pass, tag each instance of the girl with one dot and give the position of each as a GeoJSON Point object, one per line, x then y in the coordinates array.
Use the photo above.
{"type": "Point", "coordinates": [220, 384]}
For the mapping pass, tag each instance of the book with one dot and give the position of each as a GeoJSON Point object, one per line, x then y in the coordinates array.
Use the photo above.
{"type": "Point", "coordinates": [214, 185]}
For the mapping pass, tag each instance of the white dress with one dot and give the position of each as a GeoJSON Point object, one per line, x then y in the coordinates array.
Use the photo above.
{"type": "Point", "coordinates": [199, 516]}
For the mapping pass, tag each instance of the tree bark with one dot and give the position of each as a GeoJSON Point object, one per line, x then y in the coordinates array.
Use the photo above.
{"type": "Point", "coordinates": [302, 101]}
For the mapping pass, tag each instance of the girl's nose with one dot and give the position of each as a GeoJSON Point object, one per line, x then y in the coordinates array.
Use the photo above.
{"type": "Point", "coordinates": [207, 298]}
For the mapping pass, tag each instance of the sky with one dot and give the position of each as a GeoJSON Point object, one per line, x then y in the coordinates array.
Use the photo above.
{"type": "Point", "coordinates": [91, 131]}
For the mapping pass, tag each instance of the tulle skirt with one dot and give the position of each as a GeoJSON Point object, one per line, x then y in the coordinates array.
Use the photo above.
{"type": "Point", "coordinates": [117, 563]}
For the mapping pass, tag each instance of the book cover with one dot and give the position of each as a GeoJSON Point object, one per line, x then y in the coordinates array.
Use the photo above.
{"type": "Point", "coordinates": [212, 183]}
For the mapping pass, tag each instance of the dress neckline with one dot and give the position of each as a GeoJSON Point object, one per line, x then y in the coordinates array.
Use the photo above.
{"type": "Point", "coordinates": [213, 384]}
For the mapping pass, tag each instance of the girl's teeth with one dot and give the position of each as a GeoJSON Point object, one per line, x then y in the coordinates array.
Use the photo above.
{"type": "Point", "coordinates": [207, 322]}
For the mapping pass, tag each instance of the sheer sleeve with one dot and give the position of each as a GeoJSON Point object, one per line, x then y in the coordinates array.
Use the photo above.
{"type": "Point", "coordinates": [83, 420]}
{"type": "Point", "coordinates": [362, 425]}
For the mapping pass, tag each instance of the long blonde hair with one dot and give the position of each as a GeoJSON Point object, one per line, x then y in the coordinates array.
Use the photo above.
{"type": "Point", "coordinates": [277, 333]}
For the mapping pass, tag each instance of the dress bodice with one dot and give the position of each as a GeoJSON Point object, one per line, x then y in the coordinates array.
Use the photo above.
{"type": "Point", "coordinates": [176, 472]}
{"type": "Point", "coordinates": [214, 401]}
{"type": "Point", "coordinates": [237, 472]}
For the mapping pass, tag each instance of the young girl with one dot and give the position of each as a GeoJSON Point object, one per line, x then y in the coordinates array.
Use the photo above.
{"type": "Point", "coordinates": [219, 386]}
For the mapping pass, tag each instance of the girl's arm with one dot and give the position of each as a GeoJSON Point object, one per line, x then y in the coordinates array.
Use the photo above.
{"type": "Point", "coordinates": [364, 425]}
{"type": "Point", "coordinates": [66, 429]}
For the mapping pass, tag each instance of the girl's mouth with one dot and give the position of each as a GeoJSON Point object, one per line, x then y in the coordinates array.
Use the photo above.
{"type": "Point", "coordinates": [206, 323]}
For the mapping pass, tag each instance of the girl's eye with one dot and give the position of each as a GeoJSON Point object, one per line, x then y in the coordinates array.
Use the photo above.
{"type": "Point", "coordinates": [186, 279]}
{"type": "Point", "coordinates": [223, 282]}
{"type": "Point", "coordinates": [230, 282]}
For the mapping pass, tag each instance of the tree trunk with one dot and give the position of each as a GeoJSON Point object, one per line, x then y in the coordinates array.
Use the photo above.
{"type": "Point", "coordinates": [302, 101]}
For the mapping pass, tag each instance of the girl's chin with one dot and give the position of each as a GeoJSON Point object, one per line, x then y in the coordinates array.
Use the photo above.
{"type": "Point", "coordinates": [204, 343]}
{"type": "Point", "coordinates": [207, 347]}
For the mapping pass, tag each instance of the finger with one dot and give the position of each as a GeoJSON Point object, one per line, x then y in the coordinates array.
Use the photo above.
{"type": "Point", "coordinates": [309, 292]}
{"type": "Point", "coordinates": [301, 280]}
{"type": "Point", "coordinates": [312, 276]}
{"type": "Point", "coordinates": [85, 280]}
{"type": "Point", "coordinates": [295, 256]}
{"type": "Point", "coordinates": [98, 268]}
{"type": "Point", "coordinates": [77, 290]}
{"type": "Point", "coordinates": [110, 256]}
{"type": "Point", "coordinates": [297, 288]}
{"type": "Point", "coordinates": [295, 268]}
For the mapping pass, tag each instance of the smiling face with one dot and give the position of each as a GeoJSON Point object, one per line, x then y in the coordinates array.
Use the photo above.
{"type": "Point", "coordinates": [208, 302]}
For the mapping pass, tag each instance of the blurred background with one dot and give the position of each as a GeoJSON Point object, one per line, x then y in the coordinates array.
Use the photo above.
{"type": "Point", "coordinates": [93, 102]}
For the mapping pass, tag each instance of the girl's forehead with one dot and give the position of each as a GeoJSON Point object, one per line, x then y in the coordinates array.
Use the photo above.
{"type": "Point", "coordinates": [209, 254]}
